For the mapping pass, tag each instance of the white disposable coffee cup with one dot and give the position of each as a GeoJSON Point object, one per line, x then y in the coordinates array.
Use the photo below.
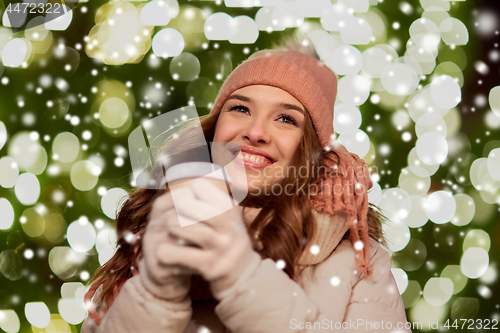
{"type": "Point", "coordinates": [183, 174]}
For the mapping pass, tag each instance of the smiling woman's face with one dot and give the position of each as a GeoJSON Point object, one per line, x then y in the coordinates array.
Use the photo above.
{"type": "Point", "coordinates": [267, 123]}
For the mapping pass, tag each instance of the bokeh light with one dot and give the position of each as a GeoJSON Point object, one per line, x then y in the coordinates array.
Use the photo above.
{"type": "Point", "coordinates": [454, 273]}
{"type": "Point", "coordinates": [33, 222]}
{"type": "Point", "coordinates": [27, 189]}
{"type": "Point", "coordinates": [440, 206]}
{"type": "Point", "coordinates": [474, 262]}
{"type": "Point", "coordinates": [72, 310]}
{"type": "Point", "coordinates": [413, 211]}
{"type": "Point", "coordinates": [66, 147]}
{"type": "Point", "coordinates": [437, 291]}
{"type": "Point", "coordinates": [432, 148]}
{"type": "Point", "coordinates": [3, 134]}
{"type": "Point", "coordinates": [9, 321]}
{"type": "Point", "coordinates": [113, 112]}
{"type": "Point", "coordinates": [353, 89]}
{"type": "Point", "coordinates": [16, 52]}
{"type": "Point", "coordinates": [63, 261]}
{"type": "Point", "coordinates": [7, 217]}
{"type": "Point", "coordinates": [11, 265]}
{"type": "Point", "coordinates": [185, 67]}
{"type": "Point", "coordinates": [465, 210]}
{"type": "Point", "coordinates": [401, 279]}
{"type": "Point", "coordinates": [411, 181]}
{"type": "Point", "coordinates": [445, 92]}
{"type": "Point", "coordinates": [345, 60]}
{"type": "Point", "coordinates": [219, 26]}
{"type": "Point", "coordinates": [347, 118]}
{"type": "Point", "coordinates": [53, 21]}
{"type": "Point", "coordinates": [38, 314]}
{"type": "Point", "coordinates": [81, 235]}
{"type": "Point", "coordinates": [357, 142]}
{"type": "Point", "coordinates": [424, 312]}
{"type": "Point", "coordinates": [477, 238]}
{"type": "Point", "coordinates": [155, 13]}
{"type": "Point", "coordinates": [55, 228]}
{"type": "Point", "coordinates": [111, 201]}
{"type": "Point", "coordinates": [168, 43]}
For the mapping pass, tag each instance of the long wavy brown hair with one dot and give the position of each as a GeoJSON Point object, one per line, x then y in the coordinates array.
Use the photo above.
{"type": "Point", "coordinates": [280, 231]}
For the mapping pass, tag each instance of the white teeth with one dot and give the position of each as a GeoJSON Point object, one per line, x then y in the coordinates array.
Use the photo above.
{"type": "Point", "coordinates": [253, 158]}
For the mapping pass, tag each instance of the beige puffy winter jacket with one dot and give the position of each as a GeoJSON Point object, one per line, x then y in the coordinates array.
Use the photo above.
{"type": "Point", "coordinates": [329, 296]}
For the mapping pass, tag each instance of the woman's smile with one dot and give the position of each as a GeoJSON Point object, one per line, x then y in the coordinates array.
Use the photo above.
{"type": "Point", "coordinates": [252, 161]}
{"type": "Point", "coordinates": [252, 157]}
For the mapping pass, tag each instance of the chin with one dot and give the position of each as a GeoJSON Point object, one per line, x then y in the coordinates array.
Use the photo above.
{"type": "Point", "coordinates": [254, 185]}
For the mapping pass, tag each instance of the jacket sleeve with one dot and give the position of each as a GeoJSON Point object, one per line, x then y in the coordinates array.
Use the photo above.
{"type": "Point", "coordinates": [376, 305]}
{"type": "Point", "coordinates": [137, 310]}
{"type": "Point", "coordinates": [267, 300]}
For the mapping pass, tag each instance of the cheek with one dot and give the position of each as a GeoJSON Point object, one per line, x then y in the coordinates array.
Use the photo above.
{"type": "Point", "coordinates": [219, 132]}
{"type": "Point", "coordinates": [224, 130]}
{"type": "Point", "coordinates": [289, 147]}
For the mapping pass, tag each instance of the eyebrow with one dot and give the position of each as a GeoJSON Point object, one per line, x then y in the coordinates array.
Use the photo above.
{"type": "Point", "coordinates": [281, 104]}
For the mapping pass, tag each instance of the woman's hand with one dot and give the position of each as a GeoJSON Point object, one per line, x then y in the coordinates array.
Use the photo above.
{"type": "Point", "coordinates": [170, 282]}
{"type": "Point", "coordinates": [222, 250]}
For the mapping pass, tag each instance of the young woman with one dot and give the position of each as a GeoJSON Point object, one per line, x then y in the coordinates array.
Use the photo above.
{"type": "Point", "coordinates": [303, 259]}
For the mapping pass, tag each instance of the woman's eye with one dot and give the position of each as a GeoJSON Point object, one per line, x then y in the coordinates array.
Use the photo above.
{"type": "Point", "coordinates": [239, 108]}
{"type": "Point", "coordinates": [288, 119]}
{"type": "Point", "coordinates": [284, 117]}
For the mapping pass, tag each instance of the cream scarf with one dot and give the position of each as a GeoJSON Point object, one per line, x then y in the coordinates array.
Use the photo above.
{"type": "Point", "coordinates": [329, 232]}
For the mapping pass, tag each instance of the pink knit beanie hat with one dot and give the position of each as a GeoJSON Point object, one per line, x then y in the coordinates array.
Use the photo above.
{"type": "Point", "coordinates": [344, 187]}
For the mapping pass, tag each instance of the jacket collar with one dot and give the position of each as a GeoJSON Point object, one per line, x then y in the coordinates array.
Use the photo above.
{"type": "Point", "coordinates": [329, 232]}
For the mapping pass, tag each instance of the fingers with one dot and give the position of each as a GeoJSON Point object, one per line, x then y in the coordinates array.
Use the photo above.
{"type": "Point", "coordinates": [210, 193]}
{"type": "Point", "coordinates": [181, 270]}
{"type": "Point", "coordinates": [198, 234]}
{"type": "Point", "coordinates": [188, 257]}
{"type": "Point", "coordinates": [199, 210]}
{"type": "Point", "coordinates": [175, 270]}
{"type": "Point", "coordinates": [161, 222]}
{"type": "Point", "coordinates": [166, 201]}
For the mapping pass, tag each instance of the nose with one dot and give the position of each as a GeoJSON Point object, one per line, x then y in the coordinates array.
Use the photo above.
{"type": "Point", "coordinates": [257, 131]}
